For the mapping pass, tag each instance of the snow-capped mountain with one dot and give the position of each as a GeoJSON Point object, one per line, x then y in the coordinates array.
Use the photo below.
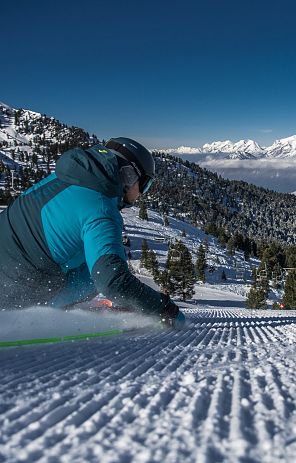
{"type": "Point", "coordinates": [182, 150]}
{"type": "Point", "coordinates": [243, 149]}
{"type": "Point", "coordinates": [283, 148]}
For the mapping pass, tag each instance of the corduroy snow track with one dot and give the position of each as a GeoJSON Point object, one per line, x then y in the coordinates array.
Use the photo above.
{"type": "Point", "coordinates": [221, 390]}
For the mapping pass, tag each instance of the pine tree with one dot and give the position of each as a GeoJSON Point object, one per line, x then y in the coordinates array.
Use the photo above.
{"type": "Point", "coordinates": [180, 270]}
{"type": "Point", "coordinates": [231, 246]}
{"type": "Point", "coordinates": [223, 276]}
{"type": "Point", "coordinates": [166, 222]}
{"type": "Point", "coordinates": [149, 261]}
{"type": "Point", "coordinates": [247, 248]}
{"type": "Point", "coordinates": [200, 265]}
{"type": "Point", "coordinates": [262, 280]}
{"type": "Point", "coordinates": [152, 263]}
{"type": "Point", "coordinates": [17, 116]}
{"type": "Point", "coordinates": [165, 282]}
{"type": "Point", "coordinates": [277, 277]}
{"type": "Point", "coordinates": [144, 254]}
{"type": "Point", "coordinates": [205, 244]}
{"type": "Point", "coordinates": [34, 159]}
{"type": "Point", "coordinates": [143, 214]}
{"type": "Point", "coordinates": [222, 237]}
{"type": "Point", "coordinates": [272, 257]}
{"type": "Point", "coordinates": [290, 256]}
{"type": "Point", "coordinates": [256, 298]}
{"type": "Point", "coordinates": [246, 254]}
{"type": "Point", "coordinates": [253, 273]}
{"type": "Point", "coordinates": [289, 299]}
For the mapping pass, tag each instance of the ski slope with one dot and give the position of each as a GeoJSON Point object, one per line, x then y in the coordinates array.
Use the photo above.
{"type": "Point", "coordinates": [221, 390]}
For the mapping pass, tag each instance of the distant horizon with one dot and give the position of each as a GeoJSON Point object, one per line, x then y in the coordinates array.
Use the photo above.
{"type": "Point", "coordinates": [154, 147]}
{"type": "Point", "coordinates": [267, 169]}
{"type": "Point", "coordinates": [226, 139]}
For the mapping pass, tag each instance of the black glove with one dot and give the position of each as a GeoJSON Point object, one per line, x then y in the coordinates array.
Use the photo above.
{"type": "Point", "coordinates": [169, 313]}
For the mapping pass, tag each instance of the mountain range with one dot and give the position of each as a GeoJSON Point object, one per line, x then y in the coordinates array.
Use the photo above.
{"type": "Point", "coordinates": [285, 148]}
{"type": "Point", "coordinates": [16, 135]}
{"type": "Point", "coordinates": [34, 140]}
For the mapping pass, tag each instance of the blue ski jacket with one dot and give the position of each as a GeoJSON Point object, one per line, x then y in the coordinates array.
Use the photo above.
{"type": "Point", "coordinates": [67, 231]}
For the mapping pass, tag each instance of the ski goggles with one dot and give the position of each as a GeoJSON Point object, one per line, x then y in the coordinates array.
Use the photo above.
{"type": "Point", "coordinates": [145, 181]}
{"type": "Point", "coordinates": [145, 184]}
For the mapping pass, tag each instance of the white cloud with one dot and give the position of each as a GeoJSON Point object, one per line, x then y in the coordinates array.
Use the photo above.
{"type": "Point", "coordinates": [275, 174]}
{"type": "Point", "coordinates": [266, 164]}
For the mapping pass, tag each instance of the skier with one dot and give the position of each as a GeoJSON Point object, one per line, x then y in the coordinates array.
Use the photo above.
{"type": "Point", "coordinates": [61, 240]}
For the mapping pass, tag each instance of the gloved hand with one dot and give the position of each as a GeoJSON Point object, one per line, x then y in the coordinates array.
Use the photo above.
{"type": "Point", "coordinates": [172, 317]}
{"type": "Point", "coordinates": [177, 323]}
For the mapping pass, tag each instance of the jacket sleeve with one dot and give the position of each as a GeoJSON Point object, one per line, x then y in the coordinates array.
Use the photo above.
{"type": "Point", "coordinates": [102, 236]}
{"type": "Point", "coordinates": [113, 278]}
{"type": "Point", "coordinates": [106, 260]}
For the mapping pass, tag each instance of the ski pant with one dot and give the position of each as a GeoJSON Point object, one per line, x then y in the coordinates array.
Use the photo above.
{"type": "Point", "coordinates": [22, 285]}
{"type": "Point", "coordinates": [27, 288]}
{"type": "Point", "coordinates": [79, 287]}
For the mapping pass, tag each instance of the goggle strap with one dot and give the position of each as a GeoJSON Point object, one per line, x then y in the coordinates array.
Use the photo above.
{"type": "Point", "coordinates": [125, 153]}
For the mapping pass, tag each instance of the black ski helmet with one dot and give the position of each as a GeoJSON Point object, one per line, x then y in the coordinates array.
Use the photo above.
{"type": "Point", "coordinates": [137, 155]}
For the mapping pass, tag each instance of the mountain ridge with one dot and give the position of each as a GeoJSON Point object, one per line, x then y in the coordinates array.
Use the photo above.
{"type": "Point", "coordinates": [242, 149]}
{"type": "Point", "coordinates": [17, 140]}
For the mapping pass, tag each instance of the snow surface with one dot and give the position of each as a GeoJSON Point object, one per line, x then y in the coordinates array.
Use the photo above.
{"type": "Point", "coordinates": [222, 389]}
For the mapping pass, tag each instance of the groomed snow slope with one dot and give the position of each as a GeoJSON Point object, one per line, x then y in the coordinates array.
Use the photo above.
{"type": "Point", "coordinates": [221, 390]}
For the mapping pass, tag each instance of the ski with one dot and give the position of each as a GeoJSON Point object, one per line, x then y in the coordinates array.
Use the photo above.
{"type": "Point", "coordinates": [77, 337]}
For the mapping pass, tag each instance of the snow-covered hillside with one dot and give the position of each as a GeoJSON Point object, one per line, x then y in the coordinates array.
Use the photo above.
{"type": "Point", "coordinates": [238, 271]}
{"type": "Point", "coordinates": [28, 138]}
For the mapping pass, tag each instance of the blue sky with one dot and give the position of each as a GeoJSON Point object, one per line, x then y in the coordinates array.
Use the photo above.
{"type": "Point", "coordinates": [167, 73]}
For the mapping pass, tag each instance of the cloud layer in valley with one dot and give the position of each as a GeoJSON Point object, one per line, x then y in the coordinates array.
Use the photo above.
{"type": "Point", "coordinates": [275, 174]}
